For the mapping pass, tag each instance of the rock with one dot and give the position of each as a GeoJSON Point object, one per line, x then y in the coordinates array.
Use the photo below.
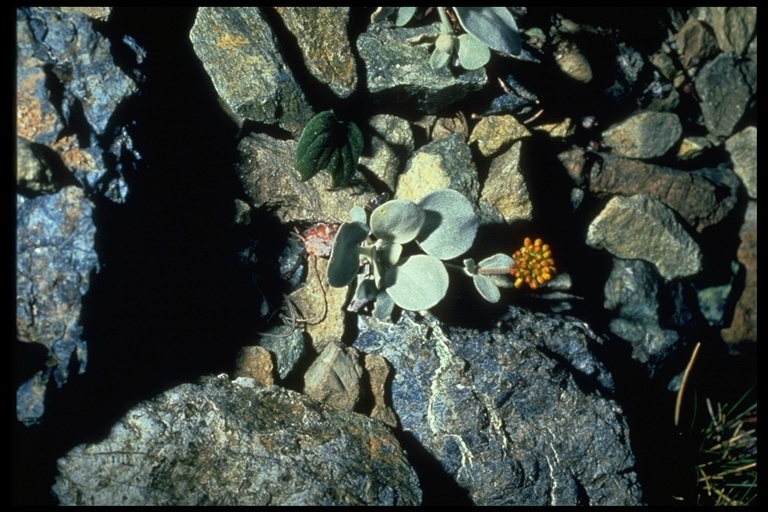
{"type": "Point", "coordinates": [714, 300]}
{"type": "Point", "coordinates": [380, 377]}
{"type": "Point", "coordinates": [391, 144]}
{"type": "Point", "coordinates": [55, 260]}
{"type": "Point", "coordinates": [505, 194]}
{"type": "Point", "coordinates": [695, 43]}
{"type": "Point", "coordinates": [321, 33]}
{"type": "Point", "coordinates": [561, 129]}
{"type": "Point", "coordinates": [287, 346]}
{"type": "Point", "coordinates": [236, 443]}
{"type": "Point", "coordinates": [444, 163]}
{"type": "Point", "coordinates": [506, 423]}
{"type": "Point", "coordinates": [398, 72]}
{"type": "Point", "coordinates": [321, 306]}
{"type": "Point", "coordinates": [640, 227]}
{"type": "Point", "coordinates": [734, 27]}
{"type": "Point", "coordinates": [334, 377]}
{"type": "Point", "coordinates": [726, 86]}
{"type": "Point", "coordinates": [692, 147]}
{"type": "Point", "coordinates": [34, 169]}
{"type": "Point", "coordinates": [268, 176]}
{"type": "Point", "coordinates": [496, 133]}
{"type": "Point", "coordinates": [67, 88]}
{"type": "Point", "coordinates": [742, 147]}
{"type": "Point", "coordinates": [644, 135]}
{"type": "Point", "coordinates": [642, 302]}
{"type": "Point", "coordinates": [703, 197]}
{"type": "Point", "coordinates": [744, 324]}
{"type": "Point", "coordinates": [240, 53]}
{"type": "Point", "coordinates": [256, 362]}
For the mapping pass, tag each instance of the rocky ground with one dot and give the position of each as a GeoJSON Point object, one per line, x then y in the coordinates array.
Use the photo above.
{"type": "Point", "coordinates": [177, 339]}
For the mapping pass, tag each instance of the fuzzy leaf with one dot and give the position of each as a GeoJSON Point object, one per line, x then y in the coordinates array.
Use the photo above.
{"type": "Point", "coordinates": [499, 261]}
{"type": "Point", "coordinates": [439, 59]}
{"type": "Point", "coordinates": [473, 53]}
{"type": "Point", "coordinates": [397, 220]}
{"type": "Point", "coordinates": [365, 293]}
{"type": "Point", "coordinates": [450, 226]}
{"type": "Point", "coordinates": [420, 282]}
{"type": "Point", "coordinates": [404, 15]}
{"type": "Point", "coordinates": [345, 259]}
{"type": "Point", "coordinates": [384, 306]}
{"type": "Point", "coordinates": [494, 26]}
{"type": "Point", "coordinates": [487, 288]}
{"type": "Point", "coordinates": [357, 214]}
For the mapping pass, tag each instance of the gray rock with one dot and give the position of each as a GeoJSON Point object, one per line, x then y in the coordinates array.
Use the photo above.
{"type": "Point", "coordinates": [505, 194]}
{"type": "Point", "coordinates": [742, 147]}
{"type": "Point", "coordinates": [398, 71]}
{"type": "Point", "coordinates": [240, 53]}
{"type": "Point", "coordinates": [640, 227]}
{"type": "Point", "coordinates": [55, 259]}
{"type": "Point", "coordinates": [734, 27]}
{"type": "Point", "coordinates": [34, 173]}
{"type": "Point", "coordinates": [269, 179]}
{"type": "Point", "coordinates": [714, 300]}
{"type": "Point", "coordinates": [703, 197]}
{"type": "Point", "coordinates": [444, 163]}
{"type": "Point", "coordinates": [644, 135]}
{"type": "Point", "coordinates": [236, 443]}
{"type": "Point", "coordinates": [288, 347]}
{"type": "Point", "coordinates": [505, 412]}
{"type": "Point", "coordinates": [391, 145]}
{"type": "Point", "coordinates": [321, 33]}
{"type": "Point", "coordinates": [726, 86]}
{"type": "Point", "coordinates": [635, 291]}
{"type": "Point", "coordinates": [334, 377]}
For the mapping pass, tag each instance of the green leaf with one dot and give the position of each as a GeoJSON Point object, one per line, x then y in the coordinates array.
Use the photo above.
{"type": "Point", "coordinates": [487, 288]}
{"type": "Point", "coordinates": [345, 259]}
{"type": "Point", "coordinates": [314, 141]}
{"type": "Point", "coordinates": [327, 143]}
{"type": "Point", "coordinates": [397, 220]}
{"type": "Point", "coordinates": [358, 214]}
{"type": "Point", "coordinates": [450, 226]}
{"type": "Point", "coordinates": [419, 283]}
{"type": "Point", "coordinates": [404, 15]}
{"type": "Point", "coordinates": [439, 59]}
{"type": "Point", "coordinates": [473, 53]}
{"type": "Point", "coordinates": [384, 306]}
{"type": "Point", "coordinates": [494, 26]}
{"type": "Point", "coordinates": [499, 261]}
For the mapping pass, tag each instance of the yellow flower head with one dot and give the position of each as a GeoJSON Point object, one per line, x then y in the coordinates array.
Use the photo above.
{"type": "Point", "coordinates": [533, 264]}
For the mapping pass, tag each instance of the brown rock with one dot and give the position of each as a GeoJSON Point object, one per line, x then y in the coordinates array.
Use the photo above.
{"type": "Point", "coordinates": [744, 324]}
{"type": "Point", "coordinates": [256, 362]}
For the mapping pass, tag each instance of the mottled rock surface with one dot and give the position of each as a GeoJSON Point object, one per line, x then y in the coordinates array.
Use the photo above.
{"type": "Point", "coordinates": [507, 413]}
{"type": "Point", "coordinates": [644, 135]}
{"type": "Point", "coordinates": [235, 443]}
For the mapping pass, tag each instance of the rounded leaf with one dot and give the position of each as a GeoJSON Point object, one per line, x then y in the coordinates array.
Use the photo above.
{"type": "Point", "coordinates": [420, 282]}
{"type": "Point", "coordinates": [439, 59]}
{"type": "Point", "coordinates": [487, 288]}
{"type": "Point", "coordinates": [397, 220]}
{"type": "Point", "coordinates": [494, 26]}
{"type": "Point", "coordinates": [450, 225]}
{"type": "Point", "coordinates": [499, 262]}
{"type": "Point", "coordinates": [445, 42]}
{"type": "Point", "coordinates": [473, 53]}
{"type": "Point", "coordinates": [345, 259]}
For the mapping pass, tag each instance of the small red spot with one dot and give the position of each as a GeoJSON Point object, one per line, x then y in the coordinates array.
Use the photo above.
{"type": "Point", "coordinates": [318, 239]}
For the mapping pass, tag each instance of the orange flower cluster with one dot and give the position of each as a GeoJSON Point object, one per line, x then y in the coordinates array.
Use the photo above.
{"type": "Point", "coordinates": [533, 264]}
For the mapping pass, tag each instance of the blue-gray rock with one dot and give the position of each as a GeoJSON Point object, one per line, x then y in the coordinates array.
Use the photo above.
{"type": "Point", "coordinates": [68, 88]}
{"type": "Point", "coordinates": [222, 442]}
{"type": "Point", "coordinates": [287, 344]}
{"type": "Point", "coordinates": [648, 314]}
{"type": "Point", "coordinates": [398, 72]}
{"type": "Point", "coordinates": [55, 258]}
{"type": "Point", "coordinates": [726, 86]}
{"type": "Point", "coordinates": [514, 415]}
{"type": "Point", "coordinates": [742, 147]}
